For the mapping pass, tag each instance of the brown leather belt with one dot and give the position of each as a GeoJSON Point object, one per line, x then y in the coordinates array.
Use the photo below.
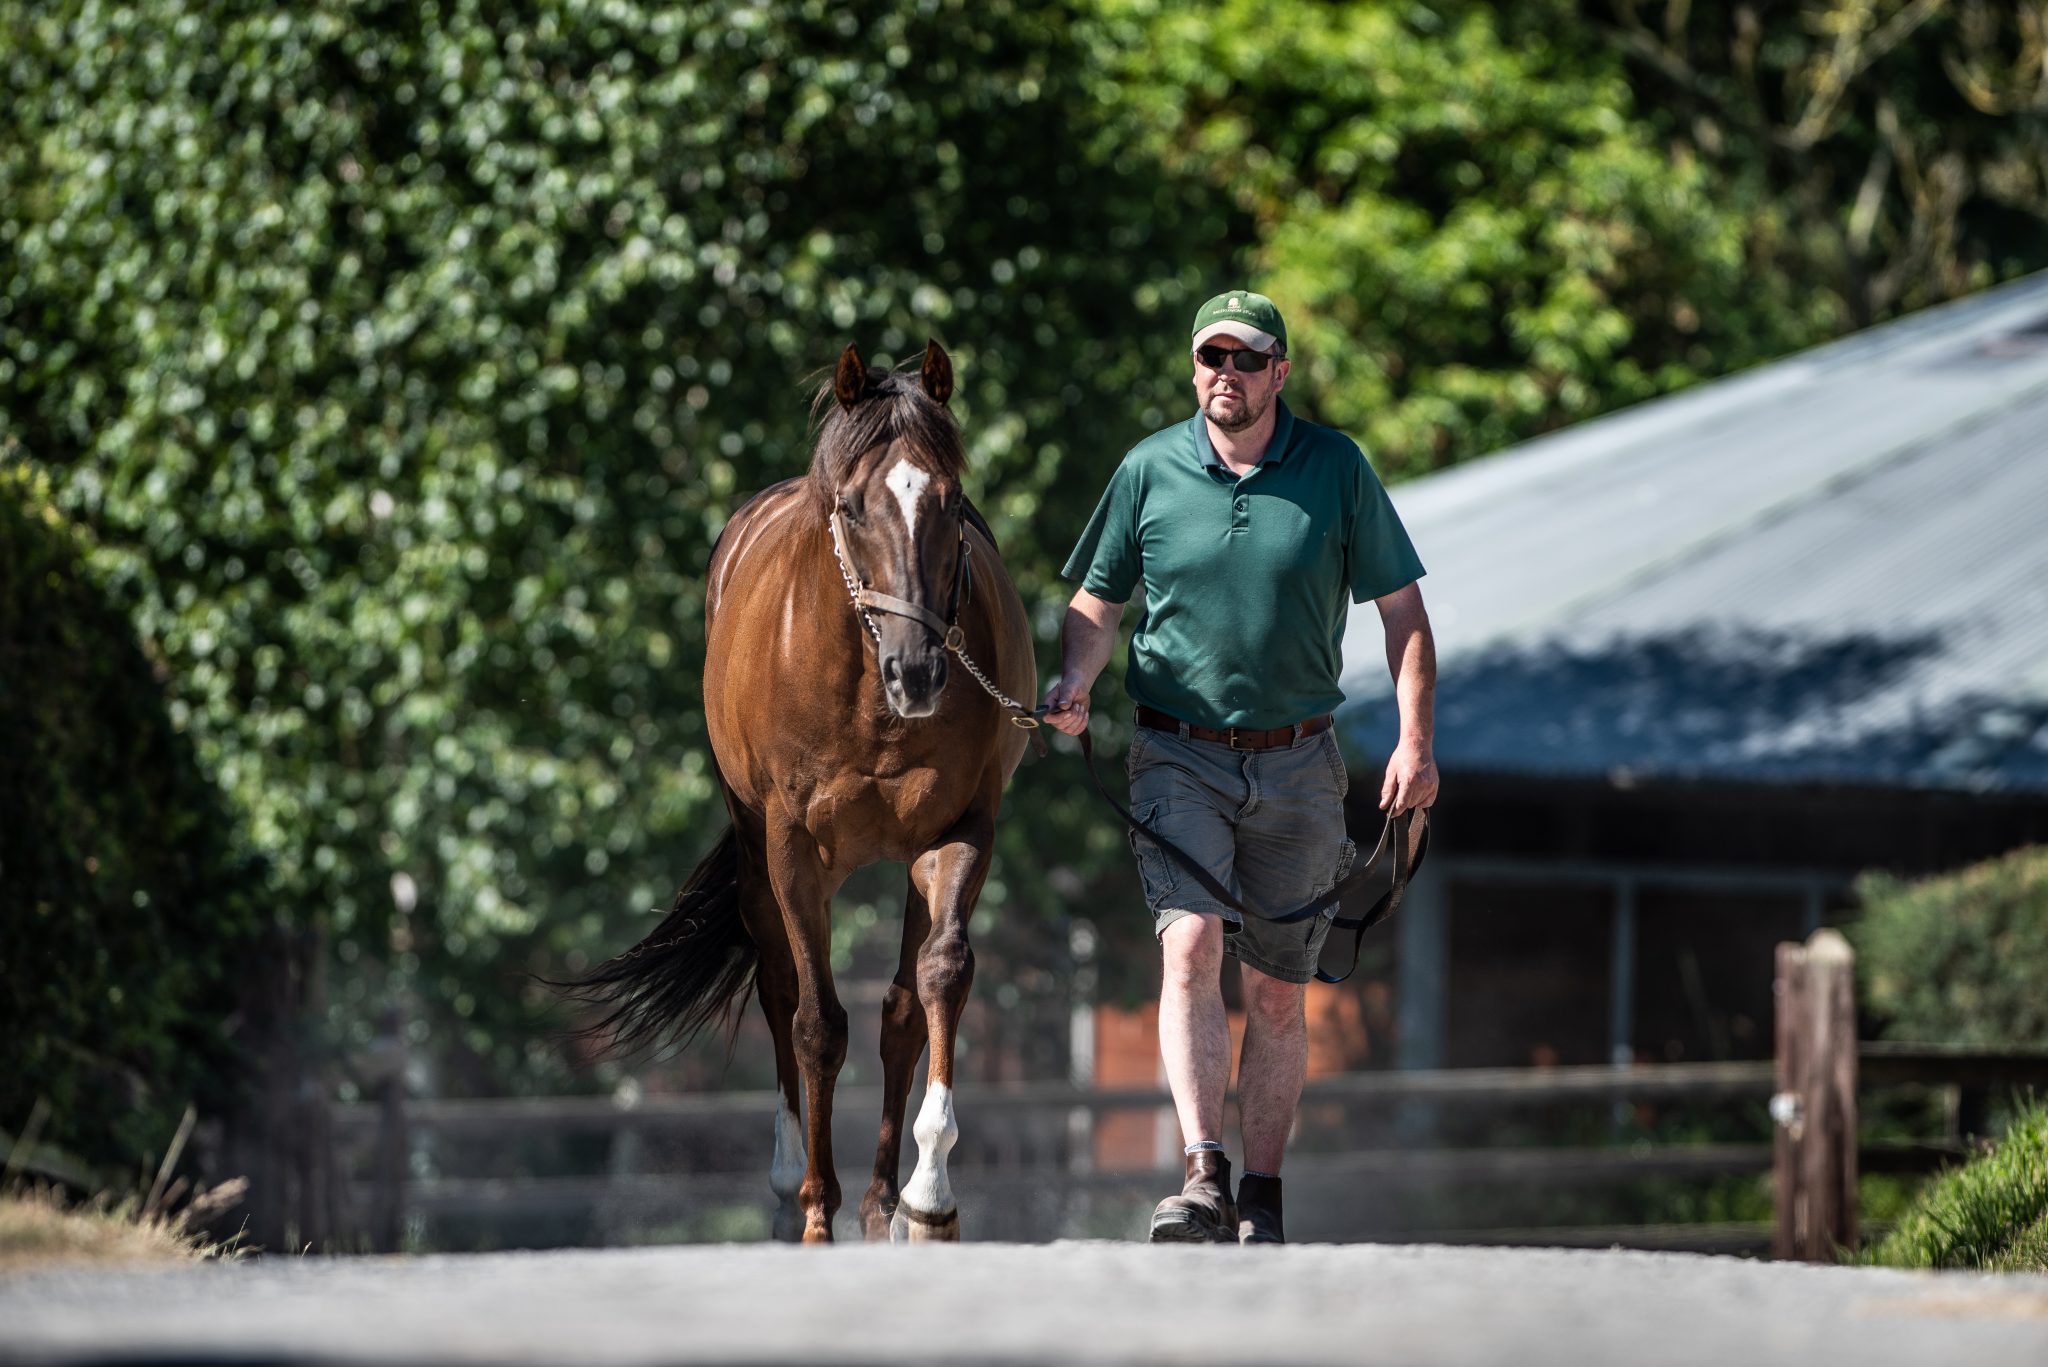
{"type": "Point", "coordinates": [1236, 737]}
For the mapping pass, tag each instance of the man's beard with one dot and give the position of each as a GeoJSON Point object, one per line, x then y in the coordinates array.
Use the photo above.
{"type": "Point", "coordinates": [1248, 415]}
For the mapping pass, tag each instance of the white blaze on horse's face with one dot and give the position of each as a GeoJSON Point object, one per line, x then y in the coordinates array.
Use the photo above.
{"type": "Point", "coordinates": [909, 651]}
{"type": "Point", "coordinates": [908, 482]}
{"type": "Point", "coordinates": [928, 1195]}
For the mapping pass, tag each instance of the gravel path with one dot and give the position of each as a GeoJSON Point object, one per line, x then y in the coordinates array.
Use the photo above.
{"type": "Point", "coordinates": [1418, 1306]}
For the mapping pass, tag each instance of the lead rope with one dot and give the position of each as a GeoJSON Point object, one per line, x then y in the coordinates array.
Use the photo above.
{"type": "Point", "coordinates": [956, 642]}
{"type": "Point", "coordinates": [1394, 834]}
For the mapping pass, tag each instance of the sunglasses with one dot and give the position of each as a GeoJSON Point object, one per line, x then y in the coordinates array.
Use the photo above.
{"type": "Point", "coordinates": [1243, 359]}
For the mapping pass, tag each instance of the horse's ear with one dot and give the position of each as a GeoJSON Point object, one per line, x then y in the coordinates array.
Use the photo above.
{"type": "Point", "coordinates": [938, 371]}
{"type": "Point", "coordinates": [850, 378]}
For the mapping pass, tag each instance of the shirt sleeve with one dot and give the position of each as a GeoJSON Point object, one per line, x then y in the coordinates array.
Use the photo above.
{"type": "Point", "coordinates": [1378, 558]}
{"type": "Point", "coordinates": [1107, 560]}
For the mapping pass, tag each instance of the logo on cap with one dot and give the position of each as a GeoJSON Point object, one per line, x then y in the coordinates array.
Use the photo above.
{"type": "Point", "coordinates": [1235, 303]}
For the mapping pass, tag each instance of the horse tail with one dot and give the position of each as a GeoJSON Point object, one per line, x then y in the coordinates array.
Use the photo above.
{"type": "Point", "coordinates": [693, 968]}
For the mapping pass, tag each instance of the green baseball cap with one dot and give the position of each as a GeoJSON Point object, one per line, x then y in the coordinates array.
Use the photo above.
{"type": "Point", "coordinates": [1251, 318]}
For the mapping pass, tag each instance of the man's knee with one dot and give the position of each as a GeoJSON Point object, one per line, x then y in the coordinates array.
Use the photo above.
{"type": "Point", "coordinates": [1192, 949]}
{"type": "Point", "coordinates": [1274, 1003]}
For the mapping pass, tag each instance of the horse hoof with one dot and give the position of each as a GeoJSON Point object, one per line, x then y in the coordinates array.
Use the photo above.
{"type": "Point", "coordinates": [877, 1220]}
{"type": "Point", "coordinates": [789, 1224]}
{"type": "Point", "coordinates": [913, 1226]}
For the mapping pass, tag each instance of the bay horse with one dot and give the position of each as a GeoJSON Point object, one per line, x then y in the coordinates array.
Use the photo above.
{"type": "Point", "coordinates": [831, 603]}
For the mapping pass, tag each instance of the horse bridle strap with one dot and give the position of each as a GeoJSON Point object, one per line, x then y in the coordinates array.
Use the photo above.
{"type": "Point", "coordinates": [902, 607]}
{"type": "Point", "coordinates": [866, 600]}
{"type": "Point", "coordinates": [1405, 834]}
{"type": "Point", "coordinates": [877, 601]}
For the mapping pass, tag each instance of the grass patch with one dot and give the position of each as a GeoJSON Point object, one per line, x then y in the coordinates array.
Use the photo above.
{"type": "Point", "coordinates": [1991, 1214]}
{"type": "Point", "coordinates": [40, 1226]}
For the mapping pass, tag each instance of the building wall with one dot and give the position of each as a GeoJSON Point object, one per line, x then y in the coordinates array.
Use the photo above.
{"type": "Point", "coordinates": [1574, 922]}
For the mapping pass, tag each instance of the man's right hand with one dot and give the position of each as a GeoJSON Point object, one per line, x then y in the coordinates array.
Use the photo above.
{"type": "Point", "coordinates": [1066, 706]}
{"type": "Point", "coordinates": [1087, 635]}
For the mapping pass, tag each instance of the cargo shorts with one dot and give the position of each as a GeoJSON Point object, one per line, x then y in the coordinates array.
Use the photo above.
{"type": "Point", "coordinates": [1266, 824]}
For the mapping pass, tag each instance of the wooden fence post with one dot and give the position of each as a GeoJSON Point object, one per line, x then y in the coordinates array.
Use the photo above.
{"type": "Point", "coordinates": [1814, 1151]}
{"type": "Point", "coordinates": [391, 1156]}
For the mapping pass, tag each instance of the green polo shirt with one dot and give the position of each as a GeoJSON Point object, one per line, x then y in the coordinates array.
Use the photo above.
{"type": "Point", "coordinates": [1248, 581]}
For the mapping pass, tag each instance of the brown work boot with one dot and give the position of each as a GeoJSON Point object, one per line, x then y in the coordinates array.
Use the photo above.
{"type": "Point", "coordinates": [1258, 1211]}
{"type": "Point", "coordinates": [1203, 1212]}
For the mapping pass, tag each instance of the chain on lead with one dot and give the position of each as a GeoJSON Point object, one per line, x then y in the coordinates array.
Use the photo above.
{"type": "Point", "coordinates": [853, 589]}
{"type": "Point", "coordinates": [956, 642]}
{"type": "Point", "coordinates": [989, 688]}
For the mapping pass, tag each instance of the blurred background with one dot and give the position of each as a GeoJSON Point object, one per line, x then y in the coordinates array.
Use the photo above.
{"type": "Point", "coordinates": [375, 377]}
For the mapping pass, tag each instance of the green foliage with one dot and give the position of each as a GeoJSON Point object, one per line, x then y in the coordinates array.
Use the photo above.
{"type": "Point", "coordinates": [1480, 238]}
{"type": "Point", "coordinates": [1991, 1213]}
{"type": "Point", "coordinates": [1959, 959]}
{"type": "Point", "coordinates": [126, 918]}
{"type": "Point", "coordinates": [404, 360]}
{"type": "Point", "coordinates": [1495, 219]}
{"type": "Point", "coordinates": [1901, 148]}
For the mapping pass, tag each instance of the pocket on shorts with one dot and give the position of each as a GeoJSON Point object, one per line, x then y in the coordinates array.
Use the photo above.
{"type": "Point", "coordinates": [1157, 871]}
{"type": "Point", "coordinates": [1347, 855]}
{"type": "Point", "coordinates": [1336, 759]}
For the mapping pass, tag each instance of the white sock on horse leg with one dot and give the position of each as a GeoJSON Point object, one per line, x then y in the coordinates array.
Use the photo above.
{"type": "Point", "coordinates": [929, 1191]}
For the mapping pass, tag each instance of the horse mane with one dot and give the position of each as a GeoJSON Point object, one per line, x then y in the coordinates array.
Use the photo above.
{"type": "Point", "coordinates": [895, 408]}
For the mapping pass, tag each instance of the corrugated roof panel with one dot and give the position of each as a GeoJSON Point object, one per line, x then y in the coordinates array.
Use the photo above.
{"type": "Point", "coordinates": [1835, 568]}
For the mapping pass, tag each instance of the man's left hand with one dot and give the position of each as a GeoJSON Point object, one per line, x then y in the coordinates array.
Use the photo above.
{"type": "Point", "coordinates": [1411, 779]}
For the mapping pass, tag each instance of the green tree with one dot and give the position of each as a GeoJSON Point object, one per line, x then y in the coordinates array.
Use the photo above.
{"type": "Point", "coordinates": [403, 361]}
{"type": "Point", "coordinates": [1481, 237]}
{"type": "Point", "coordinates": [1900, 147]}
{"type": "Point", "coordinates": [128, 920]}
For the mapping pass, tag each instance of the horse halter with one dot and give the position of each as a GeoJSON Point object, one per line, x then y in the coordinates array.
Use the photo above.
{"type": "Point", "coordinates": [947, 629]}
{"type": "Point", "coordinates": [865, 599]}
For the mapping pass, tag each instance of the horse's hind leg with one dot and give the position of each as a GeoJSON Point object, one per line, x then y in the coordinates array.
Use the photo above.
{"type": "Point", "coordinates": [903, 1039]}
{"type": "Point", "coordinates": [818, 1034]}
{"type": "Point", "coordinates": [950, 876]}
{"type": "Point", "coordinates": [775, 987]}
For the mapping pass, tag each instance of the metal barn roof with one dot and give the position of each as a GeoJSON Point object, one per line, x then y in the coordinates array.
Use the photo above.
{"type": "Point", "coordinates": [1832, 568]}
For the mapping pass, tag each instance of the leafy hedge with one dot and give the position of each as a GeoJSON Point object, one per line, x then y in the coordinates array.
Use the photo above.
{"type": "Point", "coordinates": [404, 361]}
{"type": "Point", "coordinates": [1960, 959]}
{"type": "Point", "coordinates": [125, 915]}
{"type": "Point", "coordinates": [1991, 1213]}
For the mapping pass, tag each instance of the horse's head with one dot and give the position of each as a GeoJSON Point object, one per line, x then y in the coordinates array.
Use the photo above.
{"type": "Point", "coordinates": [889, 461]}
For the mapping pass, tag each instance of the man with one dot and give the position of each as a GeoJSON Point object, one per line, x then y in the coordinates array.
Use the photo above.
{"type": "Point", "coordinates": [1251, 531]}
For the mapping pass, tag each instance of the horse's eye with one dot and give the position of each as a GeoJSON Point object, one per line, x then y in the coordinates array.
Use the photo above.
{"type": "Point", "coordinates": [848, 510]}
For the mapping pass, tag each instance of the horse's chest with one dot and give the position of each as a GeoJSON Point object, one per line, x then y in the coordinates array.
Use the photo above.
{"type": "Point", "coordinates": [894, 817]}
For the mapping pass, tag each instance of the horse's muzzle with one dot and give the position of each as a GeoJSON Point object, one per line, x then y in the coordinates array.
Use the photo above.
{"type": "Point", "coordinates": [913, 680]}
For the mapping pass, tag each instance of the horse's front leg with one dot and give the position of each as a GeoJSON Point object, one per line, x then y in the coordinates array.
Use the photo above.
{"type": "Point", "coordinates": [804, 890]}
{"type": "Point", "coordinates": [950, 875]}
{"type": "Point", "coordinates": [903, 1039]}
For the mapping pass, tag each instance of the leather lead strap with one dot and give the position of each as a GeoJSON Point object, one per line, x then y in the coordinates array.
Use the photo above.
{"type": "Point", "coordinates": [1405, 835]}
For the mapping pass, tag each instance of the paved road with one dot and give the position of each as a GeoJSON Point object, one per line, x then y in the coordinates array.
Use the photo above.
{"type": "Point", "coordinates": [1087, 1302]}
